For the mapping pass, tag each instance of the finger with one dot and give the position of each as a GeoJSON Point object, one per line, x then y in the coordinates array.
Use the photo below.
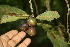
{"type": "Point", "coordinates": [9, 35]}
{"type": "Point", "coordinates": [6, 37]}
{"type": "Point", "coordinates": [1, 45]}
{"type": "Point", "coordinates": [25, 43]}
{"type": "Point", "coordinates": [4, 42]}
{"type": "Point", "coordinates": [16, 39]}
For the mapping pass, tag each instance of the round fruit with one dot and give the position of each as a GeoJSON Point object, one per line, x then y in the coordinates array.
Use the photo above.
{"type": "Point", "coordinates": [31, 31]}
{"type": "Point", "coordinates": [31, 21]}
{"type": "Point", "coordinates": [23, 26]}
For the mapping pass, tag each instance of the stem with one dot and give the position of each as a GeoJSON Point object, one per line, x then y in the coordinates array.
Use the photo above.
{"type": "Point", "coordinates": [48, 5]}
{"type": "Point", "coordinates": [67, 19]}
{"type": "Point", "coordinates": [36, 7]}
{"type": "Point", "coordinates": [31, 8]}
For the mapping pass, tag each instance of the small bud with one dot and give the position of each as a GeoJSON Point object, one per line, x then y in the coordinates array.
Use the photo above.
{"type": "Point", "coordinates": [31, 21]}
{"type": "Point", "coordinates": [23, 26]}
{"type": "Point", "coordinates": [31, 31]}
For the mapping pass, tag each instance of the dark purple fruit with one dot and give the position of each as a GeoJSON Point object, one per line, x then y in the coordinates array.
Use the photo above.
{"type": "Point", "coordinates": [31, 31]}
{"type": "Point", "coordinates": [23, 26]}
{"type": "Point", "coordinates": [31, 21]}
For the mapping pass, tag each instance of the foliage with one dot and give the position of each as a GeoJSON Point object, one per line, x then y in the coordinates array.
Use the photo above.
{"type": "Point", "coordinates": [48, 15]}
{"type": "Point", "coordinates": [12, 14]}
{"type": "Point", "coordinates": [60, 41]}
{"type": "Point", "coordinates": [54, 36]}
{"type": "Point", "coordinates": [9, 14]}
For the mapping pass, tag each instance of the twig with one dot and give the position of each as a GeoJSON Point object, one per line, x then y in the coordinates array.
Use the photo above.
{"type": "Point", "coordinates": [31, 8]}
{"type": "Point", "coordinates": [67, 19]}
{"type": "Point", "coordinates": [48, 5]}
{"type": "Point", "coordinates": [36, 7]}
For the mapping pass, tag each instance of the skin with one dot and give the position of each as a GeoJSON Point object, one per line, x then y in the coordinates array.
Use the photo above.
{"type": "Point", "coordinates": [11, 38]}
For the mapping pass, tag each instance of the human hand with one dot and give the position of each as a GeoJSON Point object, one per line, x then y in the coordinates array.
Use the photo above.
{"type": "Point", "coordinates": [11, 38]}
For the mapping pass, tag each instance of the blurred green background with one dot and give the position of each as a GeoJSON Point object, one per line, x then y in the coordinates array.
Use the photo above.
{"type": "Point", "coordinates": [40, 39]}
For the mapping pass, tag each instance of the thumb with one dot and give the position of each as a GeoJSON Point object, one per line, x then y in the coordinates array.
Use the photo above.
{"type": "Point", "coordinates": [1, 45]}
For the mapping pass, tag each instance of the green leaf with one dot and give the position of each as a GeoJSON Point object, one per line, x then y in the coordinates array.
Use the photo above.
{"type": "Point", "coordinates": [7, 18]}
{"type": "Point", "coordinates": [48, 15]}
{"type": "Point", "coordinates": [10, 9]}
{"type": "Point", "coordinates": [9, 14]}
{"type": "Point", "coordinates": [58, 41]}
{"type": "Point", "coordinates": [53, 35]}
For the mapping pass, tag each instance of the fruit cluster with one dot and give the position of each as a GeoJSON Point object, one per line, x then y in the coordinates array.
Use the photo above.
{"type": "Point", "coordinates": [29, 26]}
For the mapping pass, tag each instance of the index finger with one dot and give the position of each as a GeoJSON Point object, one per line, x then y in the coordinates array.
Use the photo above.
{"type": "Point", "coordinates": [7, 36]}
{"type": "Point", "coordinates": [25, 43]}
